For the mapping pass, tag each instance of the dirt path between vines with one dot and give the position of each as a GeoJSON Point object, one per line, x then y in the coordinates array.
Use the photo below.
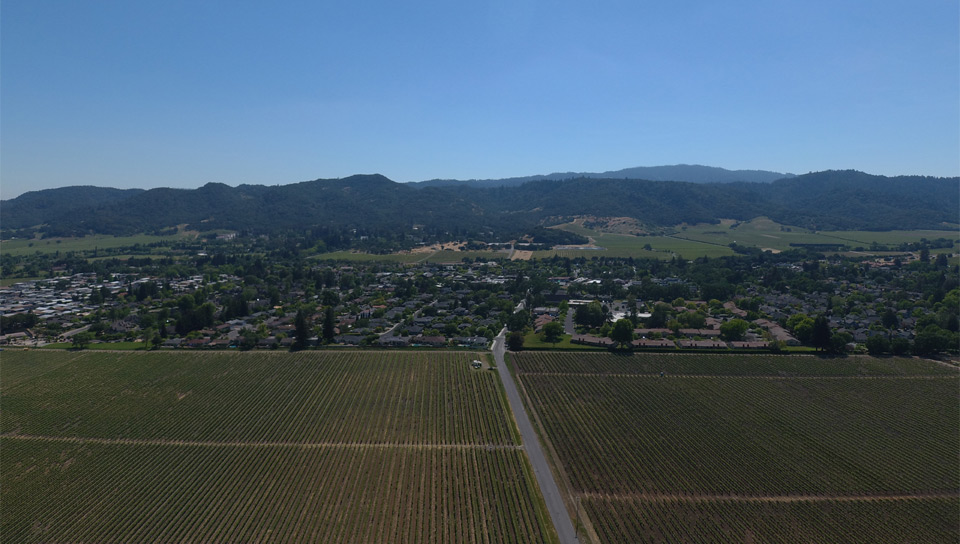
{"type": "Point", "coordinates": [735, 377]}
{"type": "Point", "coordinates": [210, 443]}
{"type": "Point", "coordinates": [667, 497]}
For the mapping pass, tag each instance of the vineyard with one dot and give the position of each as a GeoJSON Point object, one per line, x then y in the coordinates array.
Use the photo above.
{"type": "Point", "coordinates": [736, 448]}
{"type": "Point", "coordinates": [229, 447]}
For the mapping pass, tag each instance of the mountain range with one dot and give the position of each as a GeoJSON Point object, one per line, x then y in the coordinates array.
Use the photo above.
{"type": "Point", "coordinates": [693, 173]}
{"type": "Point", "coordinates": [375, 205]}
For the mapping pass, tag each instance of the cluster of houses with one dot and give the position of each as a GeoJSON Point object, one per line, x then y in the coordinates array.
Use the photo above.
{"type": "Point", "coordinates": [444, 311]}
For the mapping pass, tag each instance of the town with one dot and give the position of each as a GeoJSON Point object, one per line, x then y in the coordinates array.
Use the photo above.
{"type": "Point", "coordinates": [796, 301]}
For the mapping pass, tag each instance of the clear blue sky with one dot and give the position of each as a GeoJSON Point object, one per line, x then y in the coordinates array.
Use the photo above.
{"type": "Point", "coordinates": [168, 93]}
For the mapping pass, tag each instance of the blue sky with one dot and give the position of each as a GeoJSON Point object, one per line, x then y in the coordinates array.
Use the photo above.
{"type": "Point", "coordinates": [178, 94]}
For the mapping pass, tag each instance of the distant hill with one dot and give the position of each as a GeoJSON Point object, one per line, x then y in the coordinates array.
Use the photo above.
{"type": "Point", "coordinates": [692, 173]}
{"type": "Point", "coordinates": [378, 207]}
{"type": "Point", "coordinates": [35, 207]}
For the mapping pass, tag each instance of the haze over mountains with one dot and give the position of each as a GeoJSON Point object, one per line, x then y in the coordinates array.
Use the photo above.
{"type": "Point", "coordinates": [693, 173]}
{"type": "Point", "coordinates": [374, 204]}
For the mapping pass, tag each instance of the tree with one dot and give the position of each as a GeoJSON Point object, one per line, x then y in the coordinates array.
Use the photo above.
{"type": "Point", "coordinates": [890, 319]}
{"type": "Point", "coordinates": [515, 341]}
{"type": "Point", "coordinates": [328, 325]}
{"type": "Point", "coordinates": [302, 331]}
{"type": "Point", "coordinates": [82, 339]}
{"type": "Point", "coordinates": [820, 335]}
{"type": "Point", "coordinates": [518, 321]}
{"type": "Point", "coordinates": [590, 315]}
{"type": "Point", "coordinates": [839, 341]}
{"type": "Point", "coordinates": [659, 315]}
{"type": "Point", "coordinates": [148, 335]}
{"type": "Point", "coordinates": [899, 346]}
{"type": "Point", "coordinates": [622, 332]}
{"type": "Point", "coordinates": [931, 341]}
{"type": "Point", "coordinates": [734, 329]}
{"type": "Point", "coordinates": [878, 344]}
{"type": "Point", "coordinates": [803, 329]}
{"type": "Point", "coordinates": [552, 332]}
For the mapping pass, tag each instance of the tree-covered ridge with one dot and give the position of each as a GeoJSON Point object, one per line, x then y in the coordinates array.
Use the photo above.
{"type": "Point", "coordinates": [373, 203]}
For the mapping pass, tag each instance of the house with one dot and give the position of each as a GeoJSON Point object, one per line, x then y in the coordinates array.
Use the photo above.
{"type": "Point", "coordinates": [592, 340]}
{"type": "Point", "coordinates": [701, 344]}
{"type": "Point", "coordinates": [268, 342]}
{"type": "Point", "coordinates": [749, 345]}
{"type": "Point", "coordinates": [648, 343]}
{"type": "Point", "coordinates": [472, 341]}
{"type": "Point", "coordinates": [393, 341]}
{"type": "Point", "coordinates": [648, 332]}
{"type": "Point", "coordinates": [435, 341]}
{"type": "Point", "coordinates": [706, 333]}
{"type": "Point", "coordinates": [349, 339]}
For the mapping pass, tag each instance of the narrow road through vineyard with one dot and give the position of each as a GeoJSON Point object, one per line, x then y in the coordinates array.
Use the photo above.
{"type": "Point", "coordinates": [541, 469]}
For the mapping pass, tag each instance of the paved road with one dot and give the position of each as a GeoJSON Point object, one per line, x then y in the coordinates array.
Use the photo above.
{"type": "Point", "coordinates": [548, 486]}
{"type": "Point", "coordinates": [568, 327]}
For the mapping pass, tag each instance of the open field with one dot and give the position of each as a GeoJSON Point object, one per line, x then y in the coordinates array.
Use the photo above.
{"type": "Point", "coordinates": [752, 447]}
{"type": "Point", "coordinates": [371, 257]}
{"type": "Point", "coordinates": [443, 256]}
{"type": "Point", "coordinates": [708, 240]}
{"type": "Point", "coordinates": [87, 243]}
{"type": "Point", "coordinates": [764, 233]}
{"type": "Point", "coordinates": [458, 256]}
{"type": "Point", "coordinates": [627, 245]}
{"type": "Point", "coordinates": [227, 447]}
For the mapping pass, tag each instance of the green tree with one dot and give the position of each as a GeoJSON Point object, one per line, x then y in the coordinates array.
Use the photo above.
{"type": "Point", "coordinates": [890, 319]}
{"type": "Point", "coordinates": [552, 332]}
{"type": "Point", "coordinates": [820, 335]}
{"type": "Point", "coordinates": [803, 330]}
{"type": "Point", "coordinates": [838, 342]}
{"type": "Point", "coordinates": [328, 324]}
{"type": "Point", "coordinates": [518, 321]}
{"type": "Point", "coordinates": [878, 344]}
{"type": "Point", "coordinates": [622, 332]}
{"type": "Point", "coordinates": [590, 315]}
{"type": "Point", "coordinates": [899, 346]}
{"type": "Point", "coordinates": [931, 341]}
{"type": "Point", "coordinates": [302, 331]}
{"type": "Point", "coordinates": [515, 341]}
{"type": "Point", "coordinates": [734, 329]}
{"type": "Point", "coordinates": [82, 339]}
{"type": "Point", "coordinates": [659, 316]}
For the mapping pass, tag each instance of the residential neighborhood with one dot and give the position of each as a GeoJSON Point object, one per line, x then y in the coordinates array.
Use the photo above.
{"type": "Point", "coordinates": [670, 306]}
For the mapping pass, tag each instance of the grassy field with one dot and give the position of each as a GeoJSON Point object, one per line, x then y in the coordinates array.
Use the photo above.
{"type": "Point", "coordinates": [626, 245]}
{"type": "Point", "coordinates": [764, 233]}
{"type": "Point", "coordinates": [230, 447]}
{"type": "Point", "coordinates": [445, 256]}
{"type": "Point", "coordinates": [532, 341]}
{"type": "Point", "coordinates": [713, 240]}
{"type": "Point", "coordinates": [762, 448]}
{"type": "Point", "coordinates": [371, 257]}
{"type": "Point", "coordinates": [87, 243]}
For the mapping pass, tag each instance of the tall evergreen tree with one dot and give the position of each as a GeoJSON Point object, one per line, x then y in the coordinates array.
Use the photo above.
{"type": "Point", "coordinates": [328, 324]}
{"type": "Point", "coordinates": [301, 330]}
{"type": "Point", "coordinates": [820, 336]}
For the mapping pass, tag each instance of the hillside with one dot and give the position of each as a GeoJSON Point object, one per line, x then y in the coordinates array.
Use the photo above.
{"type": "Point", "coordinates": [379, 206]}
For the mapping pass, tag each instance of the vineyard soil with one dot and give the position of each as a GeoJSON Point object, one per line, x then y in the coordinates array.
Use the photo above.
{"type": "Point", "coordinates": [247, 447]}
{"type": "Point", "coordinates": [733, 448]}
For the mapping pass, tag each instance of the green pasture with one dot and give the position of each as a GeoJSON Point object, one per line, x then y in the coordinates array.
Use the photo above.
{"type": "Point", "coordinates": [370, 257]}
{"type": "Point", "coordinates": [708, 240]}
{"type": "Point", "coordinates": [19, 247]}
